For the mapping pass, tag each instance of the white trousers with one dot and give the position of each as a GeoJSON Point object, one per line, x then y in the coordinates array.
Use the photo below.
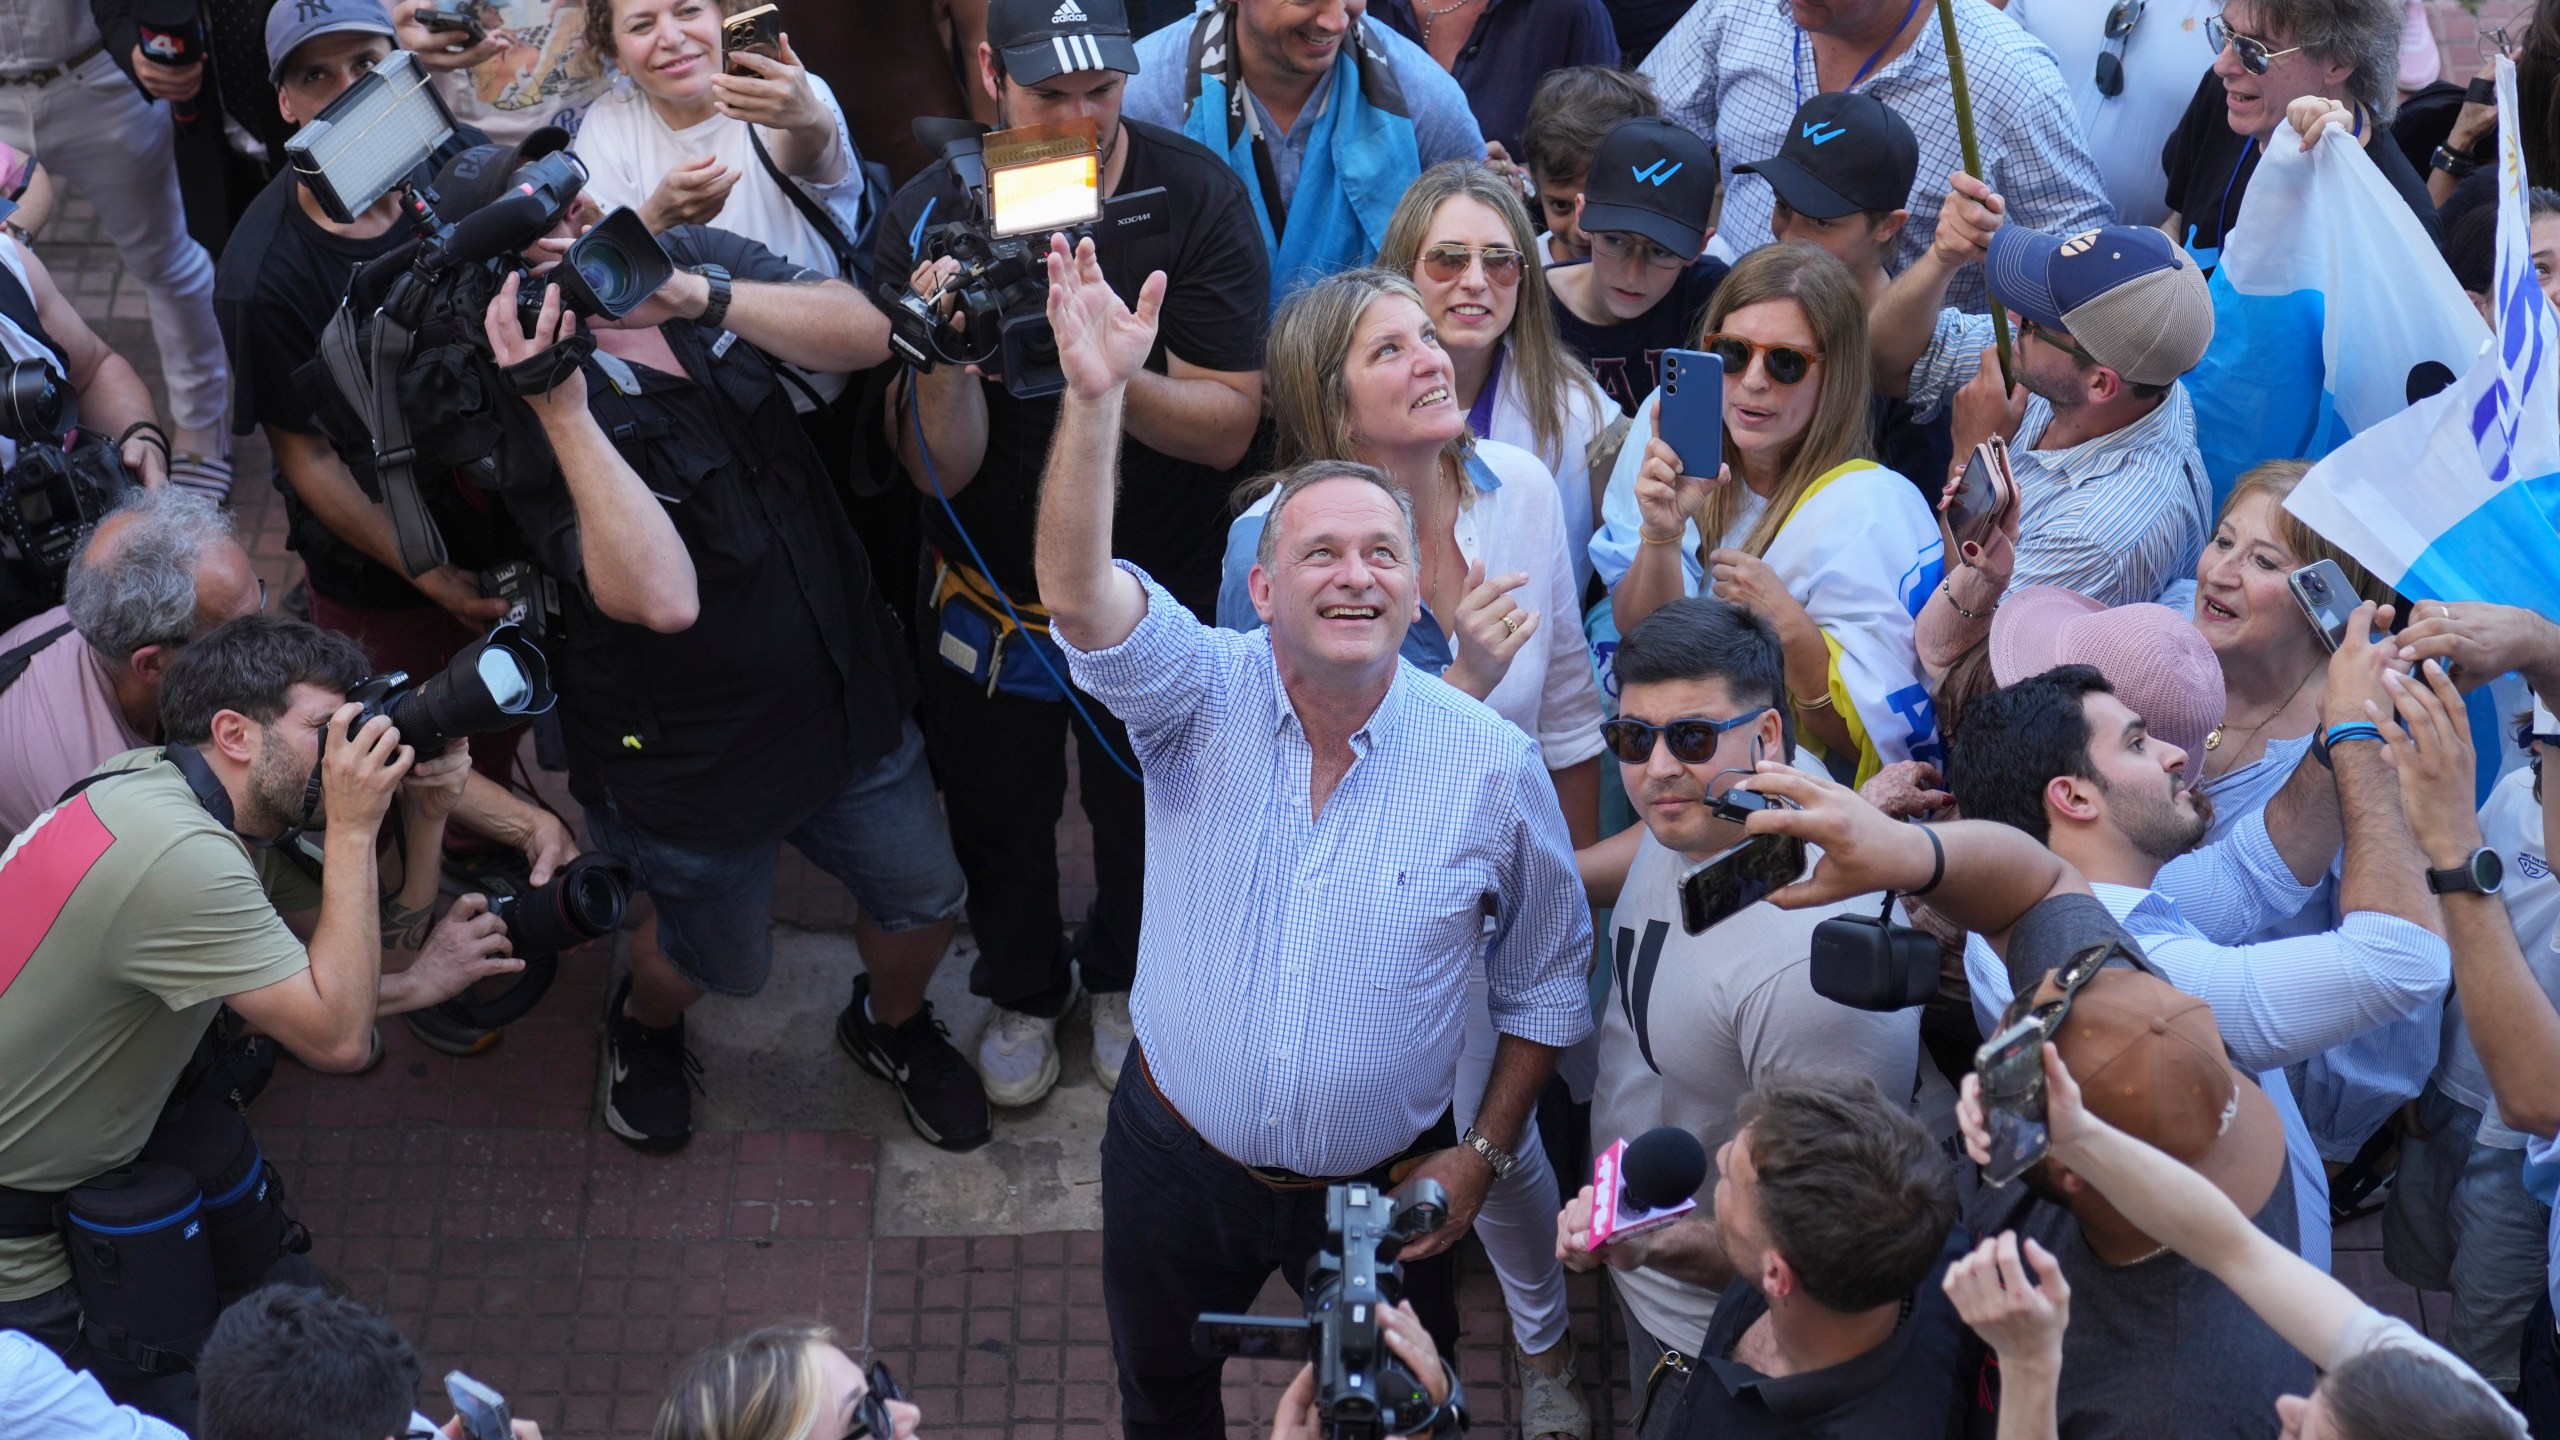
{"type": "Point", "coordinates": [93, 130]}
{"type": "Point", "coordinates": [1518, 1222]}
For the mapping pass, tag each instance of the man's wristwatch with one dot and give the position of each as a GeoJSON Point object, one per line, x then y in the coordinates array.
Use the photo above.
{"type": "Point", "coordinates": [2457, 166]}
{"type": "Point", "coordinates": [2479, 874]}
{"type": "Point", "coordinates": [1494, 1155]}
{"type": "Point", "coordinates": [716, 313]}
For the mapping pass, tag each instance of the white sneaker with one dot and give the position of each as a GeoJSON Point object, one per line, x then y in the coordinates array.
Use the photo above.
{"type": "Point", "coordinates": [1018, 1057]}
{"type": "Point", "coordinates": [1112, 1037]}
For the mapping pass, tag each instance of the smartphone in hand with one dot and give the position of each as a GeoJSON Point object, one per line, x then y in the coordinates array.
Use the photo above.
{"type": "Point", "coordinates": [757, 31]}
{"type": "Point", "coordinates": [1735, 879]}
{"type": "Point", "coordinates": [2327, 599]}
{"type": "Point", "coordinates": [1690, 418]}
{"type": "Point", "coordinates": [458, 20]}
{"type": "Point", "coordinates": [1983, 494]}
{"type": "Point", "coordinates": [2011, 1067]}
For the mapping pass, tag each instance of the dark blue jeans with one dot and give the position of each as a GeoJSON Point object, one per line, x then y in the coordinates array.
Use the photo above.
{"type": "Point", "coordinates": [2540, 1388]}
{"type": "Point", "coordinates": [1185, 1229]}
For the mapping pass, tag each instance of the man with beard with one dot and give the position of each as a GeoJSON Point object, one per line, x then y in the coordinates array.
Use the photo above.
{"type": "Point", "coordinates": [2062, 758]}
{"type": "Point", "coordinates": [159, 892]}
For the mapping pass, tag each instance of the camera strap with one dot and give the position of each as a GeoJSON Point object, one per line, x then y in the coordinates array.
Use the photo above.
{"type": "Point", "coordinates": [14, 663]}
{"type": "Point", "coordinates": [394, 456]}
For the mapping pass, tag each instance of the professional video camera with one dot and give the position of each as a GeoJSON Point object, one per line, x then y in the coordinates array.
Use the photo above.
{"type": "Point", "coordinates": [1363, 1392]}
{"type": "Point", "coordinates": [407, 353]}
{"type": "Point", "coordinates": [62, 484]}
{"type": "Point", "coordinates": [1024, 185]}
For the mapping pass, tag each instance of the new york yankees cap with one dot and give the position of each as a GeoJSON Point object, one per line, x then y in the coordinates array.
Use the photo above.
{"type": "Point", "coordinates": [1845, 153]}
{"type": "Point", "coordinates": [292, 22]}
{"type": "Point", "coordinates": [1656, 179]}
{"type": "Point", "coordinates": [1044, 39]}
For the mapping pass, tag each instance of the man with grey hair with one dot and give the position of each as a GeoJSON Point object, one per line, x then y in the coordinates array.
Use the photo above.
{"type": "Point", "coordinates": [1332, 841]}
{"type": "Point", "coordinates": [2270, 53]}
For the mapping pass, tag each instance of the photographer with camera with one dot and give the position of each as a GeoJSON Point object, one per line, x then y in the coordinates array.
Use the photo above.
{"type": "Point", "coordinates": [973, 440]}
{"type": "Point", "coordinates": [159, 888]}
{"type": "Point", "coordinates": [730, 676]}
{"type": "Point", "coordinates": [39, 325]}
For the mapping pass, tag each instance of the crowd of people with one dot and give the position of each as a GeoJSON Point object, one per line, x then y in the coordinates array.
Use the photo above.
{"type": "Point", "coordinates": [1491, 753]}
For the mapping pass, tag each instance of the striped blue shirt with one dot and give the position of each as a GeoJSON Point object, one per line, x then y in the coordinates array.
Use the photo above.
{"type": "Point", "coordinates": [1302, 979]}
{"type": "Point", "coordinates": [1734, 72]}
{"type": "Point", "coordinates": [2119, 517]}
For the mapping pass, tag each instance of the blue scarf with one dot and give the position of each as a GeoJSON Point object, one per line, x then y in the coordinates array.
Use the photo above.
{"type": "Point", "coordinates": [1359, 160]}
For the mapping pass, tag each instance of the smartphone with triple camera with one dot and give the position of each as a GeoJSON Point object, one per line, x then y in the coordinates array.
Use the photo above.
{"type": "Point", "coordinates": [483, 1410]}
{"type": "Point", "coordinates": [2011, 1065]}
{"type": "Point", "coordinates": [2327, 598]}
{"type": "Point", "coordinates": [1981, 495]}
{"type": "Point", "coordinates": [755, 32]}
{"type": "Point", "coordinates": [454, 21]}
{"type": "Point", "coordinates": [1690, 418]}
{"type": "Point", "coordinates": [1733, 880]}
{"type": "Point", "coordinates": [1249, 1337]}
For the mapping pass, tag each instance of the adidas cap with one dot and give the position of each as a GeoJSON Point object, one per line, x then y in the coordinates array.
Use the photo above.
{"type": "Point", "coordinates": [1655, 179]}
{"type": "Point", "coordinates": [1043, 39]}
{"type": "Point", "coordinates": [1845, 153]}
{"type": "Point", "coordinates": [2126, 294]}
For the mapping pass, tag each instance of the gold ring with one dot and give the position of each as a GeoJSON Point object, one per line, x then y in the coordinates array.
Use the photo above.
{"type": "Point", "coordinates": [1510, 624]}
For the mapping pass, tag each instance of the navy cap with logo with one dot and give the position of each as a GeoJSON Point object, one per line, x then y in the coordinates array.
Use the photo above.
{"type": "Point", "coordinates": [2125, 294]}
{"type": "Point", "coordinates": [292, 22]}
{"type": "Point", "coordinates": [1655, 179]}
{"type": "Point", "coordinates": [1845, 153]}
{"type": "Point", "coordinates": [1044, 39]}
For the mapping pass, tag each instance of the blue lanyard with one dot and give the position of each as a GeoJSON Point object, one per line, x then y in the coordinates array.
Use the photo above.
{"type": "Point", "coordinates": [1802, 43]}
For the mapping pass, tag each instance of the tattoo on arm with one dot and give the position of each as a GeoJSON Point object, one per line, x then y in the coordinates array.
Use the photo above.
{"type": "Point", "coordinates": [405, 929]}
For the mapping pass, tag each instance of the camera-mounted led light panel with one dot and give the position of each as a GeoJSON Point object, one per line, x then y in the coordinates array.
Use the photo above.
{"type": "Point", "coordinates": [1043, 177]}
{"type": "Point", "coordinates": [369, 139]}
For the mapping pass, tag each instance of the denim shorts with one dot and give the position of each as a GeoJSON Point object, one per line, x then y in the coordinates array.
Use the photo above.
{"type": "Point", "coordinates": [882, 835]}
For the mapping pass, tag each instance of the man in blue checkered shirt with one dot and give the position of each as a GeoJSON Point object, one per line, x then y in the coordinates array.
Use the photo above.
{"type": "Point", "coordinates": [1334, 841]}
{"type": "Point", "coordinates": [1736, 70]}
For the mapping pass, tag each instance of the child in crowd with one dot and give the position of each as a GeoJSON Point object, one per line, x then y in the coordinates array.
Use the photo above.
{"type": "Point", "coordinates": [1572, 109]}
{"type": "Point", "coordinates": [1647, 209]}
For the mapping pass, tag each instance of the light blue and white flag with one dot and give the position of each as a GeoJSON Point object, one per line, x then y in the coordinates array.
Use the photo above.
{"type": "Point", "coordinates": [2329, 303]}
{"type": "Point", "coordinates": [2455, 498]}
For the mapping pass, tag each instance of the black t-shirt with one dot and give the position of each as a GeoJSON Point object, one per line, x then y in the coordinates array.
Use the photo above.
{"type": "Point", "coordinates": [1172, 518]}
{"type": "Point", "coordinates": [2209, 165]}
{"type": "Point", "coordinates": [794, 676]}
{"type": "Point", "coordinates": [1623, 355]}
{"type": "Point", "coordinates": [278, 285]}
{"type": "Point", "coordinates": [1920, 450]}
{"type": "Point", "coordinates": [1921, 1382]}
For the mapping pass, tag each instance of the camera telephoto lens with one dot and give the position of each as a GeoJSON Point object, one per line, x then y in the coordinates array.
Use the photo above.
{"type": "Point", "coordinates": [607, 272]}
{"type": "Point", "coordinates": [32, 400]}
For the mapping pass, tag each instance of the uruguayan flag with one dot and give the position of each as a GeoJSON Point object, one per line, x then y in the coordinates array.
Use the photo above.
{"type": "Point", "coordinates": [2455, 498]}
{"type": "Point", "coordinates": [2330, 309]}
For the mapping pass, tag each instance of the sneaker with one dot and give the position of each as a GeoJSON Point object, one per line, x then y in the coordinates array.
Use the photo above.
{"type": "Point", "coordinates": [1112, 1037]}
{"type": "Point", "coordinates": [944, 1101]}
{"type": "Point", "coordinates": [1018, 1056]}
{"type": "Point", "coordinates": [652, 1077]}
{"type": "Point", "coordinates": [439, 1031]}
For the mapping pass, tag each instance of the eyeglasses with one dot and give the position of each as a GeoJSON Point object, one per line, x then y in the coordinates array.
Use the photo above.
{"type": "Point", "coordinates": [2057, 340]}
{"type": "Point", "coordinates": [1786, 364]}
{"type": "Point", "coordinates": [2076, 972]}
{"type": "Point", "coordinates": [1445, 263]}
{"type": "Point", "coordinates": [871, 1413]}
{"type": "Point", "coordinates": [2120, 22]}
{"type": "Point", "coordinates": [1619, 245]}
{"type": "Point", "coordinates": [2254, 55]}
{"type": "Point", "coordinates": [1693, 741]}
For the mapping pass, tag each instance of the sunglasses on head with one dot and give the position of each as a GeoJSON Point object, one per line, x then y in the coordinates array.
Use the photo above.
{"type": "Point", "coordinates": [1692, 741]}
{"type": "Point", "coordinates": [1445, 263]}
{"type": "Point", "coordinates": [2120, 22]}
{"type": "Point", "coordinates": [871, 1413]}
{"type": "Point", "coordinates": [2076, 972]}
{"type": "Point", "coordinates": [1786, 364]}
{"type": "Point", "coordinates": [2254, 55]}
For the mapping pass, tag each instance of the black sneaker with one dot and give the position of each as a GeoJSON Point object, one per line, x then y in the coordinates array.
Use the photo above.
{"type": "Point", "coordinates": [439, 1031]}
{"type": "Point", "coordinates": [945, 1100]}
{"type": "Point", "coordinates": [651, 1079]}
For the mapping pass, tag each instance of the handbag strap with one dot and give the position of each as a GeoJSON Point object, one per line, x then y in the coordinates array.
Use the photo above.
{"type": "Point", "coordinates": [848, 266]}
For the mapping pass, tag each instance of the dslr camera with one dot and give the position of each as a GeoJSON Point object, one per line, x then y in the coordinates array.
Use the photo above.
{"type": "Point", "coordinates": [1363, 1392]}
{"type": "Point", "coordinates": [62, 484]}
{"type": "Point", "coordinates": [1024, 185]}
{"type": "Point", "coordinates": [586, 898]}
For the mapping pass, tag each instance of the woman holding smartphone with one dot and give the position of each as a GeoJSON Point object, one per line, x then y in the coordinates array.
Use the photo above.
{"type": "Point", "coordinates": [1794, 519]}
{"type": "Point", "coordinates": [1355, 370]}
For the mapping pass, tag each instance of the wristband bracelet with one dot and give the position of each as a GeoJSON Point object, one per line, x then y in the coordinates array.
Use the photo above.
{"type": "Point", "coordinates": [1937, 862]}
{"type": "Point", "coordinates": [1649, 540]}
{"type": "Point", "coordinates": [2323, 741]}
{"type": "Point", "coordinates": [149, 430]}
{"type": "Point", "coordinates": [1948, 589]}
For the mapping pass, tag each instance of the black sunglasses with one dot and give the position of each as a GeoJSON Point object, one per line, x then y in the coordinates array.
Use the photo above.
{"type": "Point", "coordinates": [871, 1413]}
{"type": "Point", "coordinates": [2076, 972]}
{"type": "Point", "coordinates": [1693, 741]}
{"type": "Point", "coordinates": [2120, 22]}
{"type": "Point", "coordinates": [1787, 364]}
{"type": "Point", "coordinates": [2255, 54]}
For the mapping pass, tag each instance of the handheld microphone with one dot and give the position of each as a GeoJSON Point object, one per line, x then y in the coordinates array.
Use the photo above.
{"type": "Point", "coordinates": [172, 33]}
{"type": "Point", "coordinates": [1645, 1183]}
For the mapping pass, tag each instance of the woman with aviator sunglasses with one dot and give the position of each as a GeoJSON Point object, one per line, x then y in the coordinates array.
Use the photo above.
{"type": "Point", "coordinates": [784, 1382]}
{"type": "Point", "coordinates": [1794, 520]}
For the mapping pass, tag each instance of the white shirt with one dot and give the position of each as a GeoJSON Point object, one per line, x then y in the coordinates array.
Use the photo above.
{"type": "Point", "coordinates": [37, 33]}
{"type": "Point", "coordinates": [1587, 413]}
{"type": "Point", "coordinates": [42, 1399]}
{"type": "Point", "coordinates": [2163, 58]}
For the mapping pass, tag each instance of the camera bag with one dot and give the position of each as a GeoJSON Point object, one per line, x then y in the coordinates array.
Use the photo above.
{"type": "Point", "coordinates": [245, 1224]}
{"type": "Point", "coordinates": [143, 1265]}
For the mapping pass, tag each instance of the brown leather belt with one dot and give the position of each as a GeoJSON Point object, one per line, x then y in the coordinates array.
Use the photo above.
{"type": "Point", "coordinates": [1282, 1179]}
{"type": "Point", "coordinates": [51, 73]}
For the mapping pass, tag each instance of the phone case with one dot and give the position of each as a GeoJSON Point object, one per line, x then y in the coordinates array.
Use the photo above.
{"type": "Point", "coordinates": [758, 30]}
{"type": "Point", "coordinates": [1972, 518]}
{"type": "Point", "coordinates": [2327, 605]}
{"type": "Point", "coordinates": [1691, 420]}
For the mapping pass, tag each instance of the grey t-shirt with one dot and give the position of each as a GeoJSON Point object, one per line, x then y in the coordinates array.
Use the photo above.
{"type": "Point", "coordinates": [1694, 1021]}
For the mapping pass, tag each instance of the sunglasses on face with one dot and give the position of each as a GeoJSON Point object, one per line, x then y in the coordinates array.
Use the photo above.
{"type": "Point", "coordinates": [1786, 364]}
{"type": "Point", "coordinates": [871, 1413]}
{"type": "Point", "coordinates": [2057, 340]}
{"type": "Point", "coordinates": [1618, 245]}
{"type": "Point", "coordinates": [1445, 263]}
{"type": "Point", "coordinates": [2254, 55]}
{"type": "Point", "coordinates": [1693, 741]}
{"type": "Point", "coordinates": [2120, 22]}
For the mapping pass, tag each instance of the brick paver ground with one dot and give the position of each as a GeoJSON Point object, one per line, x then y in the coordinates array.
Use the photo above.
{"type": "Point", "coordinates": [480, 1204]}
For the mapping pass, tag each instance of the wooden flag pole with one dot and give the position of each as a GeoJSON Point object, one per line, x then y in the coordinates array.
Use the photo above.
{"type": "Point", "coordinates": [1973, 167]}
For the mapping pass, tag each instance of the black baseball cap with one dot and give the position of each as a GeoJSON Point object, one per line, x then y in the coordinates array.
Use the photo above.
{"type": "Point", "coordinates": [1845, 153]}
{"type": "Point", "coordinates": [1043, 39]}
{"type": "Point", "coordinates": [1656, 179]}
